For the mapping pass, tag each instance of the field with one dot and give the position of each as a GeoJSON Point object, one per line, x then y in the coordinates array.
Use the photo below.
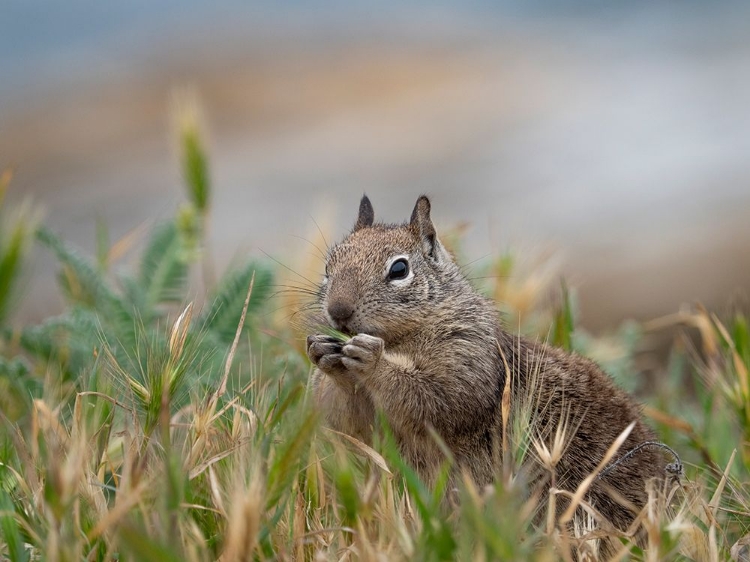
{"type": "Point", "coordinates": [146, 424]}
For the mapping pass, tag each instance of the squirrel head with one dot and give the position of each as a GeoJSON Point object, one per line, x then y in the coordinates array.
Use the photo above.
{"type": "Point", "coordinates": [386, 279]}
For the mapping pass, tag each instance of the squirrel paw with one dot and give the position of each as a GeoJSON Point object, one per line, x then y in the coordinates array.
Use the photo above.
{"type": "Point", "coordinates": [348, 360]}
{"type": "Point", "coordinates": [362, 353]}
{"type": "Point", "coordinates": [325, 353]}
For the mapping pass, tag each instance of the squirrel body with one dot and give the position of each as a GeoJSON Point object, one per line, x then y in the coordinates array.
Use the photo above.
{"type": "Point", "coordinates": [430, 353]}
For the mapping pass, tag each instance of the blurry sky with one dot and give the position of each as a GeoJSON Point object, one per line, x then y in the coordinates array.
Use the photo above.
{"type": "Point", "coordinates": [616, 134]}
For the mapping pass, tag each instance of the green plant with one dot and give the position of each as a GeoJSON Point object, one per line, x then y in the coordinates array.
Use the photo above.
{"type": "Point", "coordinates": [16, 231]}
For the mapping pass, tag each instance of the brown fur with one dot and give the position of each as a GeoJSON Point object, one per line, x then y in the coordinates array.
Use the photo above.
{"type": "Point", "coordinates": [426, 354]}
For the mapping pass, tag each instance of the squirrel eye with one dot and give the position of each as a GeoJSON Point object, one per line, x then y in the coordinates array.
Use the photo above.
{"type": "Point", "coordinates": [399, 270]}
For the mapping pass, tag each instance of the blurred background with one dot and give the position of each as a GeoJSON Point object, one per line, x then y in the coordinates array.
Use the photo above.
{"type": "Point", "coordinates": [615, 136]}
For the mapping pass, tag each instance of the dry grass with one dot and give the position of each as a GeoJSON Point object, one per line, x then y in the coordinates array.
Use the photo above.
{"type": "Point", "coordinates": [250, 475]}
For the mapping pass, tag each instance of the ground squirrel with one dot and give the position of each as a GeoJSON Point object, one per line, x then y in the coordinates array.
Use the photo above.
{"type": "Point", "coordinates": [429, 352]}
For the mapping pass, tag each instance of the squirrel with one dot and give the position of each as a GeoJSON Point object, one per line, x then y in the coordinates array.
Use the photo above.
{"type": "Point", "coordinates": [429, 352]}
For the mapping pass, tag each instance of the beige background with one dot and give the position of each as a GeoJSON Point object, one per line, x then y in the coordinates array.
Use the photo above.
{"type": "Point", "coordinates": [617, 137]}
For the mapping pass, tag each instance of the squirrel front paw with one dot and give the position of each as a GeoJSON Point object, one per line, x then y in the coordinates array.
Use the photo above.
{"type": "Point", "coordinates": [325, 353]}
{"type": "Point", "coordinates": [359, 356]}
{"type": "Point", "coordinates": [362, 353]}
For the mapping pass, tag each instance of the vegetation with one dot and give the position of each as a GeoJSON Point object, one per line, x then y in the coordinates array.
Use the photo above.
{"type": "Point", "coordinates": [135, 427]}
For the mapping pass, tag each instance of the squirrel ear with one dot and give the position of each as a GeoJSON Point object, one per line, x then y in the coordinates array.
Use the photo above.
{"type": "Point", "coordinates": [366, 214]}
{"type": "Point", "coordinates": [422, 226]}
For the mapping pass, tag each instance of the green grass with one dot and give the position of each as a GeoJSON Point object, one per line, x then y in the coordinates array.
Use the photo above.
{"type": "Point", "coordinates": [136, 427]}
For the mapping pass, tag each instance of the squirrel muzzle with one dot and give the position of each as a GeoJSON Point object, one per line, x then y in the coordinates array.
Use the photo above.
{"type": "Point", "coordinates": [342, 300]}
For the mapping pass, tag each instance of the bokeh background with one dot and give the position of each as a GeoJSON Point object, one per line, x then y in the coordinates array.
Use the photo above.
{"type": "Point", "coordinates": [614, 135]}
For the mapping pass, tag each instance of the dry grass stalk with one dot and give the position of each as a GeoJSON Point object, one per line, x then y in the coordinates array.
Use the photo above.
{"type": "Point", "coordinates": [364, 449]}
{"type": "Point", "coordinates": [245, 512]}
{"type": "Point", "coordinates": [584, 486]}
{"type": "Point", "coordinates": [505, 415]}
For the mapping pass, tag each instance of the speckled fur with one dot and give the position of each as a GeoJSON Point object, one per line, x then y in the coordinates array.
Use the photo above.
{"type": "Point", "coordinates": [426, 355]}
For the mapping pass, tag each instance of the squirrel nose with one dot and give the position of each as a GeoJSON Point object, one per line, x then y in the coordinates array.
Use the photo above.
{"type": "Point", "coordinates": [340, 311]}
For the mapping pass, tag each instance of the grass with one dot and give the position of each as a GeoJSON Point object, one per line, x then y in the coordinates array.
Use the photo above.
{"type": "Point", "coordinates": [136, 427]}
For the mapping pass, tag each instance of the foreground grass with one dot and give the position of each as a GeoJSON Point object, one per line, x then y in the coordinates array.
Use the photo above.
{"type": "Point", "coordinates": [193, 458]}
{"type": "Point", "coordinates": [136, 427]}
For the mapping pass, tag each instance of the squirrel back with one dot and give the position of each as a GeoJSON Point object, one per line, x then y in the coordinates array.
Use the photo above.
{"type": "Point", "coordinates": [430, 353]}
